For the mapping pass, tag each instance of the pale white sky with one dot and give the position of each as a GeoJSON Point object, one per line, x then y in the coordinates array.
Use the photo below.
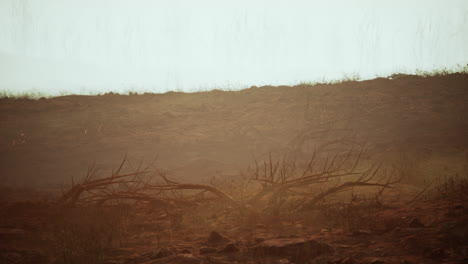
{"type": "Point", "coordinates": [157, 45]}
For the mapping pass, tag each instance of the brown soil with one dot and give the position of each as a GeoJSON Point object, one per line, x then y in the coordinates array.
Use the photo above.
{"type": "Point", "coordinates": [431, 232]}
{"type": "Point", "coordinates": [203, 134]}
{"type": "Point", "coordinates": [417, 123]}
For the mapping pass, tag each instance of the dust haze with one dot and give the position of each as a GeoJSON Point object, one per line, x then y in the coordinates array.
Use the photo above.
{"type": "Point", "coordinates": [213, 132]}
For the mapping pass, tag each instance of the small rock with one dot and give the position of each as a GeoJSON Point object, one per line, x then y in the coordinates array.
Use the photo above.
{"type": "Point", "coordinates": [158, 253]}
{"type": "Point", "coordinates": [437, 253]}
{"type": "Point", "coordinates": [348, 261]}
{"type": "Point", "coordinates": [415, 223]}
{"type": "Point", "coordinates": [456, 211]}
{"type": "Point", "coordinates": [374, 261]}
{"type": "Point", "coordinates": [186, 259]}
{"type": "Point", "coordinates": [259, 240]}
{"type": "Point", "coordinates": [338, 232]}
{"type": "Point", "coordinates": [299, 248]}
{"type": "Point", "coordinates": [283, 261]}
{"type": "Point", "coordinates": [450, 213]}
{"type": "Point", "coordinates": [216, 238]}
{"type": "Point", "coordinates": [207, 250]}
{"type": "Point", "coordinates": [361, 233]}
{"type": "Point", "coordinates": [230, 248]}
{"type": "Point", "coordinates": [178, 259]}
{"type": "Point", "coordinates": [185, 251]}
{"type": "Point", "coordinates": [410, 242]}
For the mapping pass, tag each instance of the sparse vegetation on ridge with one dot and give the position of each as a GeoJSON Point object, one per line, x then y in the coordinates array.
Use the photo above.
{"type": "Point", "coordinates": [33, 94]}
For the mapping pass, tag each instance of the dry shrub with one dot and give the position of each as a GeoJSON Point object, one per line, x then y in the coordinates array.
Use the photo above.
{"type": "Point", "coordinates": [83, 234]}
{"type": "Point", "coordinates": [451, 188]}
{"type": "Point", "coordinates": [353, 216]}
{"type": "Point", "coordinates": [273, 192]}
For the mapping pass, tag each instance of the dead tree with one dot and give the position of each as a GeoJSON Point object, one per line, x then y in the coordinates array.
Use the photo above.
{"type": "Point", "coordinates": [278, 181]}
{"type": "Point", "coordinates": [138, 188]}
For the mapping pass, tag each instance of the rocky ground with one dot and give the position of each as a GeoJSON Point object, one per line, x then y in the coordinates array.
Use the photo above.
{"type": "Point", "coordinates": [431, 230]}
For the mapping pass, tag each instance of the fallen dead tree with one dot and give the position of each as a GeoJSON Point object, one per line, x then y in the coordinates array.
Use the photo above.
{"type": "Point", "coordinates": [274, 184]}
{"type": "Point", "coordinates": [282, 180]}
{"type": "Point", "coordinates": [135, 186]}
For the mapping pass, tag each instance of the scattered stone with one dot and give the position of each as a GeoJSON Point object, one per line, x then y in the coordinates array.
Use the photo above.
{"type": "Point", "coordinates": [390, 223]}
{"type": "Point", "coordinates": [186, 259]}
{"type": "Point", "coordinates": [179, 259]}
{"type": "Point", "coordinates": [283, 261]}
{"type": "Point", "coordinates": [259, 240]}
{"type": "Point", "coordinates": [372, 260]}
{"type": "Point", "coordinates": [216, 238]}
{"type": "Point", "coordinates": [410, 242]}
{"type": "Point", "coordinates": [159, 253]}
{"type": "Point", "coordinates": [437, 253]}
{"type": "Point", "coordinates": [337, 232]}
{"type": "Point", "coordinates": [451, 213]}
{"type": "Point", "coordinates": [298, 248]}
{"type": "Point", "coordinates": [456, 211]}
{"type": "Point", "coordinates": [347, 261]}
{"type": "Point", "coordinates": [134, 259]}
{"type": "Point", "coordinates": [361, 233]}
{"type": "Point", "coordinates": [230, 248]}
{"type": "Point", "coordinates": [207, 250]}
{"type": "Point", "coordinates": [415, 223]}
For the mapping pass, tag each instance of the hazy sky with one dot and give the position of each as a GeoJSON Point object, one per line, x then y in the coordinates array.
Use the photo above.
{"type": "Point", "coordinates": [85, 46]}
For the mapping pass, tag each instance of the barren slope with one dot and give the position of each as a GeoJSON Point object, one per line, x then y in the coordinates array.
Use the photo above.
{"type": "Point", "coordinates": [204, 134]}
